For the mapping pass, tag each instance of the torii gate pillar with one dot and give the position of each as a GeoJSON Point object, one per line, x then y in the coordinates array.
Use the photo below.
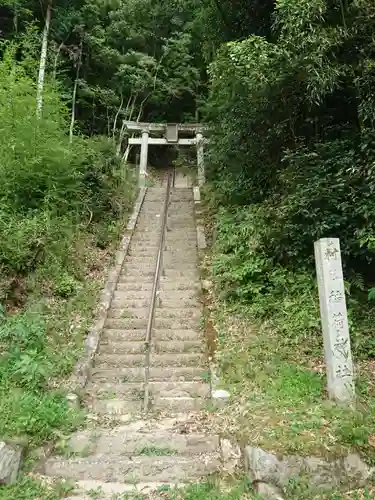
{"type": "Point", "coordinates": [200, 159]}
{"type": "Point", "coordinates": [143, 158]}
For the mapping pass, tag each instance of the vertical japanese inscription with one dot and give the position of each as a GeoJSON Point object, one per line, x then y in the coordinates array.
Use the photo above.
{"type": "Point", "coordinates": [337, 351]}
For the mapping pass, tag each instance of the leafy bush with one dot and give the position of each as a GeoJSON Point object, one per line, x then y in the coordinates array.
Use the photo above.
{"type": "Point", "coordinates": [292, 158]}
{"type": "Point", "coordinates": [54, 196]}
{"type": "Point", "coordinates": [49, 190]}
{"type": "Point", "coordinates": [40, 416]}
{"type": "Point", "coordinates": [247, 274]}
{"type": "Point", "coordinates": [290, 132]}
{"type": "Point", "coordinates": [27, 364]}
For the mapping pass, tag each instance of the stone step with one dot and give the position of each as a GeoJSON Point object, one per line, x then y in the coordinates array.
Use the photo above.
{"type": "Point", "coordinates": [159, 323]}
{"type": "Point", "coordinates": [185, 247]}
{"type": "Point", "coordinates": [179, 294]}
{"type": "Point", "coordinates": [182, 239]}
{"type": "Point", "coordinates": [138, 335]}
{"type": "Point", "coordinates": [183, 212]}
{"type": "Point", "coordinates": [150, 221]}
{"type": "Point", "coordinates": [183, 275]}
{"type": "Point", "coordinates": [179, 225]}
{"type": "Point", "coordinates": [139, 248]}
{"type": "Point", "coordinates": [137, 374]}
{"type": "Point", "coordinates": [146, 242]}
{"type": "Point", "coordinates": [140, 262]}
{"type": "Point", "coordinates": [179, 404]}
{"type": "Point", "coordinates": [108, 361]}
{"type": "Point", "coordinates": [113, 407]}
{"type": "Point", "coordinates": [131, 390]}
{"type": "Point", "coordinates": [167, 283]}
{"type": "Point", "coordinates": [160, 313]}
{"type": "Point", "coordinates": [121, 441]}
{"type": "Point", "coordinates": [119, 468]}
{"type": "Point", "coordinates": [186, 258]}
{"type": "Point", "coordinates": [123, 347]}
{"type": "Point", "coordinates": [85, 490]}
{"type": "Point", "coordinates": [146, 269]}
{"type": "Point", "coordinates": [117, 407]}
{"type": "Point", "coordinates": [157, 199]}
{"type": "Point", "coordinates": [140, 274]}
{"type": "Point", "coordinates": [150, 231]}
{"type": "Point", "coordinates": [157, 346]}
{"type": "Point", "coordinates": [145, 295]}
{"type": "Point", "coordinates": [125, 285]}
{"type": "Point", "coordinates": [91, 489]}
{"type": "Point", "coordinates": [182, 230]}
{"type": "Point", "coordinates": [149, 269]}
{"type": "Point", "coordinates": [173, 254]}
{"type": "Point", "coordinates": [149, 218]}
{"type": "Point", "coordinates": [171, 303]}
{"type": "Point", "coordinates": [181, 199]}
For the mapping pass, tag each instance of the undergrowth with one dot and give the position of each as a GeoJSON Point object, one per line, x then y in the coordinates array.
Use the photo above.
{"type": "Point", "coordinates": [270, 352]}
{"type": "Point", "coordinates": [62, 209]}
{"type": "Point", "coordinates": [30, 488]}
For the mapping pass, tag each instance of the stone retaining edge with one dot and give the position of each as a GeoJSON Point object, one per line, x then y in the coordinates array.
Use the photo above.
{"type": "Point", "coordinates": [219, 396]}
{"type": "Point", "coordinates": [82, 371]}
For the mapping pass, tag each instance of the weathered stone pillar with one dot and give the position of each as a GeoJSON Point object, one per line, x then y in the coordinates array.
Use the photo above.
{"type": "Point", "coordinates": [143, 159]}
{"type": "Point", "coordinates": [200, 158]}
{"type": "Point", "coordinates": [337, 351]}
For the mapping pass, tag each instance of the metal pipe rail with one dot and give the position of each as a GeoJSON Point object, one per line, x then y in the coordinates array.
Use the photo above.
{"type": "Point", "coordinates": [155, 285]}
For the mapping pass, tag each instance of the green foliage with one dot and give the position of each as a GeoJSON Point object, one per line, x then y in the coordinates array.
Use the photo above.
{"type": "Point", "coordinates": [65, 286]}
{"type": "Point", "coordinates": [293, 147]}
{"type": "Point", "coordinates": [48, 189]}
{"type": "Point", "coordinates": [27, 364]}
{"type": "Point", "coordinates": [38, 416]}
{"type": "Point", "coordinates": [54, 196]}
{"type": "Point", "coordinates": [28, 488]}
{"type": "Point", "coordinates": [237, 489]}
{"type": "Point", "coordinates": [247, 273]}
{"type": "Point", "coordinates": [281, 134]}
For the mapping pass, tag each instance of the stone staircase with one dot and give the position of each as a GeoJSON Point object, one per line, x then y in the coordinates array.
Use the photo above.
{"type": "Point", "coordinates": [124, 450]}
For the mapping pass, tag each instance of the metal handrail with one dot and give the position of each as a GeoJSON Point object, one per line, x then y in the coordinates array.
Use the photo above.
{"type": "Point", "coordinates": [154, 292]}
{"type": "Point", "coordinates": [158, 264]}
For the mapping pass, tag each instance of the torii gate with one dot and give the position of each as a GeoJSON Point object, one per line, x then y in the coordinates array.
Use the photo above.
{"type": "Point", "coordinates": [170, 137]}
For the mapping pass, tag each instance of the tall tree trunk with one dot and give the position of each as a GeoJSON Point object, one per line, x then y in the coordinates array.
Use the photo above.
{"type": "Point", "coordinates": [15, 17]}
{"type": "Point", "coordinates": [128, 147]}
{"type": "Point", "coordinates": [129, 117]}
{"type": "Point", "coordinates": [116, 117]}
{"type": "Point", "coordinates": [43, 61]}
{"type": "Point", "coordinates": [74, 96]}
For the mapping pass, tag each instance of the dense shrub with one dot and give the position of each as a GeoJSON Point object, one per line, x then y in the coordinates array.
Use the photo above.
{"type": "Point", "coordinates": [292, 160]}
{"type": "Point", "coordinates": [49, 189]}
{"type": "Point", "coordinates": [293, 122]}
{"type": "Point", "coordinates": [248, 277]}
{"type": "Point", "coordinates": [55, 196]}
